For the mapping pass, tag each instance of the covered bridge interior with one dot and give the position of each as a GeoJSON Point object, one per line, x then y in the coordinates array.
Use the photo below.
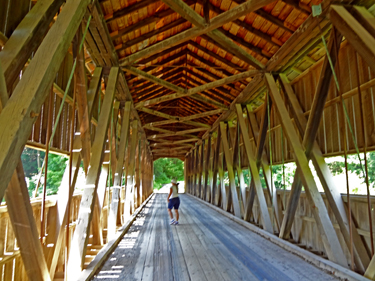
{"type": "Point", "coordinates": [223, 85]}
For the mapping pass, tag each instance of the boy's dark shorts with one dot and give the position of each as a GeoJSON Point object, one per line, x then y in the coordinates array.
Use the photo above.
{"type": "Point", "coordinates": [174, 203]}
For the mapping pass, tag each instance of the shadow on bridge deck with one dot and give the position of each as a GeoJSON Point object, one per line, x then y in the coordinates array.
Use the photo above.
{"type": "Point", "coordinates": [204, 246]}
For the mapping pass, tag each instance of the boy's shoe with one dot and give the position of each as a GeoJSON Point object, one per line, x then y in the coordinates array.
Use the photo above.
{"type": "Point", "coordinates": [172, 221]}
{"type": "Point", "coordinates": [175, 222]}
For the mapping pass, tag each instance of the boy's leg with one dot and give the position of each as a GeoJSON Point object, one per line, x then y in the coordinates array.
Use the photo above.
{"type": "Point", "coordinates": [177, 214]}
{"type": "Point", "coordinates": [170, 213]}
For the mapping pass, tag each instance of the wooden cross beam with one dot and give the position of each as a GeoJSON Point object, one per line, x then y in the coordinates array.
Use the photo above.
{"type": "Point", "coordinates": [229, 161]}
{"type": "Point", "coordinates": [112, 219]}
{"type": "Point", "coordinates": [180, 92]}
{"type": "Point", "coordinates": [17, 118]}
{"type": "Point", "coordinates": [130, 172]}
{"type": "Point", "coordinates": [332, 194]}
{"type": "Point", "coordinates": [220, 20]}
{"type": "Point", "coordinates": [178, 133]}
{"type": "Point", "coordinates": [148, 35]}
{"type": "Point", "coordinates": [359, 37]}
{"type": "Point", "coordinates": [82, 231]}
{"type": "Point", "coordinates": [312, 127]}
{"type": "Point", "coordinates": [254, 170]}
{"type": "Point", "coordinates": [328, 234]}
{"type": "Point", "coordinates": [26, 38]}
{"type": "Point", "coordinates": [259, 136]}
{"type": "Point", "coordinates": [186, 119]}
{"type": "Point", "coordinates": [174, 142]}
{"type": "Point", "coordinates": [81, 96]}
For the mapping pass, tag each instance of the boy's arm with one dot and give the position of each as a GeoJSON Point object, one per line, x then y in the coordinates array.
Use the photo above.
{"type": "Point", "coordinates": [170, 193]}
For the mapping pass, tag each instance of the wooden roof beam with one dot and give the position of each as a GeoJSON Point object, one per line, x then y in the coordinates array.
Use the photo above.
{"type": "Point", "coordinates": [176, 119]}
{"type": "Point", "coordinates": [186, 119]}
{"type": "Point", "coordinates": [142, 84]}
{"type": "Point", "coordinates": [207, 99]}
{"type": "Point", "coordinates": [246, 44]}
{"type": "Point", "coordinates": [213, 66]}
{"type": "Point", "coordinates": [128, 10]}
{"type": "Point", "coordinates": [188, 13]}
{"type": "Point", "coordinates": [173, 59]}
{"type": "Point", "coordinates": [150, 86]}
{"type": "Point", "coordinates": [182, 92]}
{"type": "Point", "coordinates": [212, 94]}
{"type": "Point", "coordinates": [220, 20]}
{"type": "Point", "coordinates": [214, 55]}
{"type": "Point", "coordinates": [270, 39]}
{"type": "Point", "coordinates": [177, 56]}
{"type": "Point", "coordinates": [221, 89]}
{"type": "Point", "coordinates": [156, 56]}
{"type": "Point", "coordinates": [178, 133]}
{"type": "Point", "coordinates": [150, 34]}
{"type": "Point", "coordinates": [154, 18]}
{"type": "Point", "coordinates": [197, 69]}
{"type": "Point", "coordinates": [174, 142]}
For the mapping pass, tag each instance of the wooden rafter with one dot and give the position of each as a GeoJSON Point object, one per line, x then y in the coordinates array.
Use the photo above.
{"type": "Point", "coordinates": [184, 36]}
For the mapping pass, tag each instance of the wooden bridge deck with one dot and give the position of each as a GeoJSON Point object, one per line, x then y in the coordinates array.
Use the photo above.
{"type": "Point", "coordinates": [205, 246]}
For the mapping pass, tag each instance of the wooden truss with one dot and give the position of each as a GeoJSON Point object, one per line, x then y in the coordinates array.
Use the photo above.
{"type": "Point", "coordinates": [194, 81]}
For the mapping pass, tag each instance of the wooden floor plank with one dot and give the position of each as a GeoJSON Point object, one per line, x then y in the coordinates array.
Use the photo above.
{"type": "Point", "coordinates": [204, 246]}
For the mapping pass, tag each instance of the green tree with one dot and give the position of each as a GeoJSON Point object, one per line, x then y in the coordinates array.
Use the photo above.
{"type": "Point", "coordinates": [166, 169]}
{"type": "Point", "coordinates": [354, 166]}
{"type": "Point", "coordinates": [56, 168]}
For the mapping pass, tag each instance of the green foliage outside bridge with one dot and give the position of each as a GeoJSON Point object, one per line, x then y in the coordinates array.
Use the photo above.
{"type": "Point", "coordinates": [166, 169]}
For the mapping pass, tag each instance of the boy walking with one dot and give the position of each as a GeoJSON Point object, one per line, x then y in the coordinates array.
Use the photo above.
{"type": "Point", "coordinates": [173, 202]}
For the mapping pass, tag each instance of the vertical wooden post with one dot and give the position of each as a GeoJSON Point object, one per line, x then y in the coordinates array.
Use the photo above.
{"type": "Point", "coordinates": [208, 172]}
{"type": "Point", "coordinates": [56, 236]}
{"type": "Point", "coordinates": [81, 234]}
{"type": "Point", "coordinates": [195, 184]}
{"type": "Point", "coordinates": [201, 170]}
{"type": "Point", "coordinates": [138, 172]}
